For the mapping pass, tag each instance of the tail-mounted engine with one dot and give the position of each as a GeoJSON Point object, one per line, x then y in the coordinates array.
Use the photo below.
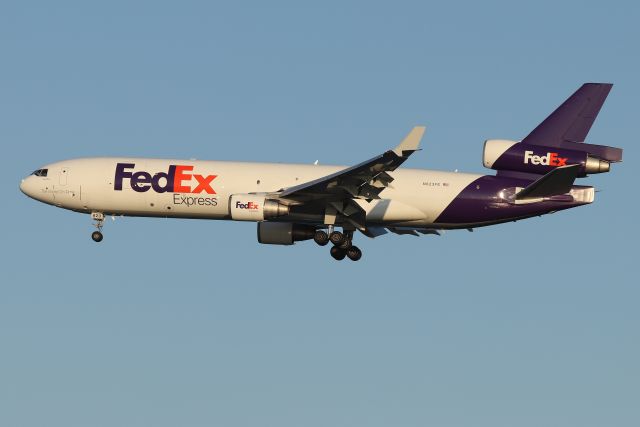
{"type": "Point", "coordinates": [507, 155]}
{"type": "Point", "coordinates": [255, 207]}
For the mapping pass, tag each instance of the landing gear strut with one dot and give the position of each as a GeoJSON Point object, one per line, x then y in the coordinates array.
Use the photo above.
{"type": "Point", "coordinates": [98, 217]}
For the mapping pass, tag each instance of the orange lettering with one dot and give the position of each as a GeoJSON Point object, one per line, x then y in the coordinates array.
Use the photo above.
{"type": "Point", "coordinates": [177, 184]}
{"type": "Point", "coordinates": [204, 184]}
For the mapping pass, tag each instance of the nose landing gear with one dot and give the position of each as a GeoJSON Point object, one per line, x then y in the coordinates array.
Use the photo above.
{"type": "Point", "coordinates": [98, 217]}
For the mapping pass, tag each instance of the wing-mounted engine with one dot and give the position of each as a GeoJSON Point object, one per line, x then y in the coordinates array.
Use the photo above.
{"type": "Point", "coordinates": [284, 233]}
{"type": "Point", "coordinates": [505, 155]}
{"type": "Point", "coordinates": [255, 207]}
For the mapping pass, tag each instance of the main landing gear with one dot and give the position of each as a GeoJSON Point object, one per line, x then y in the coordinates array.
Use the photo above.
{"type": "Point", "coordinates": [342, 244]}
{"type": "Point", "coordinates": [98, 217]}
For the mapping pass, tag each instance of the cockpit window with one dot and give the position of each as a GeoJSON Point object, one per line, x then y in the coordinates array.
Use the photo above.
{"type": "Point", "coordinates": [40, 172]}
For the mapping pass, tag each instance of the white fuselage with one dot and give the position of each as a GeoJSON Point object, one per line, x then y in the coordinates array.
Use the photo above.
{"type": "Point", "coordinates": [415, 197]}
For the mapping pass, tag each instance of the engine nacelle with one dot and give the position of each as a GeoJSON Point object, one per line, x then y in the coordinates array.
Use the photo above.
{"type": "Point", "coordinates": [255, 207]}
{"type": "Point", "coordinates": [283, 233]}
{"type": "Point", "coordinates": [500, 154]}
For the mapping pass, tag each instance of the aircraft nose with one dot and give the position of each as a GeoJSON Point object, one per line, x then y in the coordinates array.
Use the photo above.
{"type": "Point", "coordinates": [23, 187]}
{"type": "Point", "coordinates": [27, 186]}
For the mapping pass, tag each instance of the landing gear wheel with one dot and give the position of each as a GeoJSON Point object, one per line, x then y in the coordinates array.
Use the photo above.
{"type": "Point", "coordinates": [337, 253]}
{"type": "Point", "coordinates": [336, 237]}
{"type": "Point", "coordinates": [321, 237]}
{"type": "Point", "coordinates": [96, 236]}
{"type": "Point", "coordinates": [346, 244]}
{"type": "Point", "coordinates": [354, 253]}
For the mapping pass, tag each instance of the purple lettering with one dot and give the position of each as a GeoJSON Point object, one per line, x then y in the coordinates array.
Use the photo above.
{"type": "Point", "coordinates": [121, 174]}
{"type": "Point", "coordinates": [139, 178]}
{"type": "Point", "coordinates": [168, 187]}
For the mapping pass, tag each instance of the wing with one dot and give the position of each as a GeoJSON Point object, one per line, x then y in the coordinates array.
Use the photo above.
{"type": "Point", "coordinates": [362, 181]}
{"type": "Point", "coordinates": [335, 193]}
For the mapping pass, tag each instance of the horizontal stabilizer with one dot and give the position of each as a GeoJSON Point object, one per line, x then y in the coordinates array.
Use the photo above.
{"type": "Point", "coordinates": [558, 181]}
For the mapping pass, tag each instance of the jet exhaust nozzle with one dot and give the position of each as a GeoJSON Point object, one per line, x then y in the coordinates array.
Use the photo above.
{"type": "Point", "coordinates": [596, 165]}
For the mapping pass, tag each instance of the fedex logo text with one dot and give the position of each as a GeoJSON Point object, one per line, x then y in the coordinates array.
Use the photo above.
{"type": "Point", "coordinates": [249, 206]}
{"type": "Point", "coordinates": [551, 159]}
{"type": "Point", "coordinates": [177, 179]}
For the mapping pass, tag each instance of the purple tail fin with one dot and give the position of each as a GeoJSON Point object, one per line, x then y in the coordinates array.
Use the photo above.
{"type": "Point", "coordinates": [570, 123]}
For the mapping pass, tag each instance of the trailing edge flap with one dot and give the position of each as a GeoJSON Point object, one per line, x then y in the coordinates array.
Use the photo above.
{"type": "Point", "coordinates": [414, 231]}
{"type": "Point", "coordinates": [558, 181]}
{"type": "Point", "coordinates": [373, 232]}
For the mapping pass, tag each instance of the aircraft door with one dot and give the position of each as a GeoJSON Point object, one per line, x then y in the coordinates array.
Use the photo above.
{"type": "Point", "coordinates": [66, 193]}
{"type": "Point", "coordinates": [64, 175]}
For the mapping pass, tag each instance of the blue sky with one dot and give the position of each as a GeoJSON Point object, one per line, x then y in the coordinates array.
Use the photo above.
{"type": "Point", "coordinates": [193, 323]}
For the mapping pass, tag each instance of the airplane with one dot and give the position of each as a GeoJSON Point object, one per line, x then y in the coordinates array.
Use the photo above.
{"type": "Point", "coordinates": [297, 202]}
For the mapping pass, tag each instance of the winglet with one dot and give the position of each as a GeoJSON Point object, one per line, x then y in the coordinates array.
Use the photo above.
{"type": "Point", "coordinates": [411, 142]}
{"type": "Point", "coordinates": [558, 181]}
